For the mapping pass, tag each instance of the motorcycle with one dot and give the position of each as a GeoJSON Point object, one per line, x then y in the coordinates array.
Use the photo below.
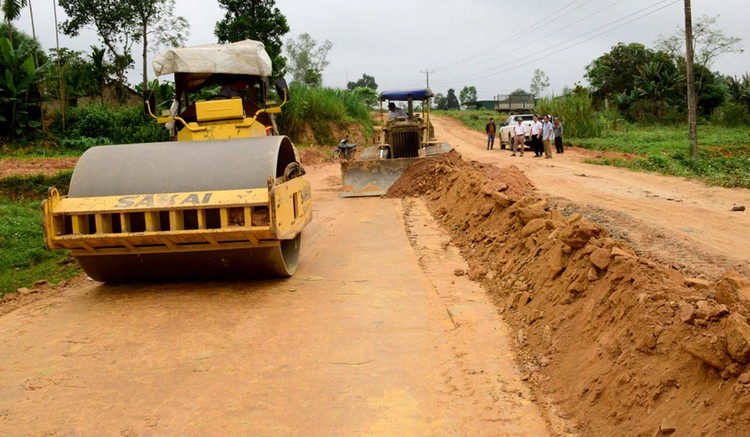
{"type": "Point", "coordinates": [345, 150]}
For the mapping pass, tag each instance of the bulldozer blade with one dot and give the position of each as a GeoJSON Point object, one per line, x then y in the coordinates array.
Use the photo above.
{"type": "Point", "coordinates": [368, 178]}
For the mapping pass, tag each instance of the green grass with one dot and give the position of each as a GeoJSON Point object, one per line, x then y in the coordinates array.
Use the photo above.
{"type": "Point", "coordinates": [35, 186]}
{"type": "Point", "coordinates": [318, 108]}
{"type": "Point", "coordinates": [23, 258]}
{"type": "Point", "coordinates": [647, 140]}
{"type": "Point", "coordinates": [723, 153]}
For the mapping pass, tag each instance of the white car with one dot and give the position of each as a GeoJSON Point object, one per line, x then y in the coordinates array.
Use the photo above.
{"type": "Point", "coordinates": [507, 129]}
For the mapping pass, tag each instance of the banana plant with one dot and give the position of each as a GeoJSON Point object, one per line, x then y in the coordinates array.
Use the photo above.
{"type": "Point", "coordinates": [18, 87]}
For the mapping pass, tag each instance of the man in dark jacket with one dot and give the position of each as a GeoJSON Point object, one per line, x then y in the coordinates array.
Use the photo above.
{"type": "Point", "coordinates": [490, 128]}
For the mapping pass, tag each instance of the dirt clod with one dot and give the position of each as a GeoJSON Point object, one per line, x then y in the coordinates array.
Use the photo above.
{"type": "Point", "coordinates": [738, 338]}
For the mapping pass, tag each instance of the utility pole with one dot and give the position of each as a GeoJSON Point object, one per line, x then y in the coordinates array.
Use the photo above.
{"type": "Point", "coordinates": [692, 98]}
{"type": "Point", "coordinates": [59, 68]}
{"type": "Point", "coordinates": [427, 73]}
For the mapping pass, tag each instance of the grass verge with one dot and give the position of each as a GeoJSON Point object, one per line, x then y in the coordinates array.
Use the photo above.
{"type": "Point", "coordinates": [317, 108]}
{"type": "Point", "coordinates": [35, 186]}
{"type": "Point", "coordinates": [23, 258]}
{"type": "Point", "coordinates": [723, 153]}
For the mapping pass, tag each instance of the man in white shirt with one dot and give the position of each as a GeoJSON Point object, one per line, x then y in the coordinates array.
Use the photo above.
{"type": "Point", "coordinates": [547, 136]}
{"type": "Point", "coordinates": [520, 135]}
{"type": "Point", "coordinates": [394, 112]}
{"type": "Point", "coordinates": [536, 136]}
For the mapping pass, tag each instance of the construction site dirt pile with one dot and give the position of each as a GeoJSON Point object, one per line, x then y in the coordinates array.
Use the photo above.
{"type": "Point", "coordinates": [624, 345]}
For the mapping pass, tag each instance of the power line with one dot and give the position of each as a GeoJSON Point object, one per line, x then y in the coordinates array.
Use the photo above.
{"type": "Point", "coordinates": [494, 71]}
{"type": "Point", "coordinates": [519, 35]}
{"type": "Point", "coordinates": [553, 33]}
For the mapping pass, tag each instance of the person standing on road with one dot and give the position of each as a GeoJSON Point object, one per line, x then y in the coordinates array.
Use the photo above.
{"type": "Point", "coordinates": [520, 135]}
{"type": "Point", "coordinates": [547, 137]}
{"type": "Point", "coordinates": [557, 130]}
{"type": "Point", "coordinates": [536, 136]}
{"type": "Point", "coordinates": [490, 129]}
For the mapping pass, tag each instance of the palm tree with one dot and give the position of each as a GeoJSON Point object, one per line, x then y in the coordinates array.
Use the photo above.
{"type": "Point", "coordinates": [12, 10]}
{"type": "Point", "coordinates": [99, 71]}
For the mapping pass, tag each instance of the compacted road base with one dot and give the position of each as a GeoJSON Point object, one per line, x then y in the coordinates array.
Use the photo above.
{"type": "Point", "coordinates": [376, 335]}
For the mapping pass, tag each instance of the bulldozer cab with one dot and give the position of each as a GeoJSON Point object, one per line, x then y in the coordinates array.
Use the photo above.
{"type": "Point", "coordinates": [405, 134]}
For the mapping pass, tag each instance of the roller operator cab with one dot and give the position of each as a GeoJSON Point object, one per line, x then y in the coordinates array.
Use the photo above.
{"type": "Point", "coordinates": [225, 200]}
{"type": "Point", "coordinates": [404, 135]}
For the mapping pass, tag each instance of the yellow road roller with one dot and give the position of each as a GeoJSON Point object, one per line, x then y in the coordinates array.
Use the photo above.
{"type": "Point", "coordinates": [225, 200]}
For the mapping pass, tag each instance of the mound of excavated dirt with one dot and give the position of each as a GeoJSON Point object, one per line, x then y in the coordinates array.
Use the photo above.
{"type": "Point", "coordinates": [623, 345]}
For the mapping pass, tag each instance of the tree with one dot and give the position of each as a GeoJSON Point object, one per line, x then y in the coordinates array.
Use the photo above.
{"type": "Point", "coordinates": [519, 92]}
{"type": "Point", "coordinates": [74, 74]}
{"type": "Point", "coordinates": [258, 20]}
{"type": "Point", "coordinates": [99, 70]}
{"type": "Point", "coordinates": [367, 94]}
{"type": "Point", "coordinates": [11, 11]}
{"type": "Point", "coordinates": [20, 101]}
{"type": "Point", "coordinates": [307, 59]}
{"type": "Point", "coordinates": [618, 71]}
{"type": "Point", "coordinates": [738, 89]}
{"type": "Point", "coordinates": [658, 81]}
{"type": "Point", "coordinates": [164, 93]}
{"type": "Point", "coordinates": [120, 24]}
{"type": "Point", "coordinates": [451, 101]}
{"type": "Point", "coordinates": [468, 94]}
{"type": "Point", "coordinates": [366, 81]}
{"type": "Point", "coordinates": [708, 42]}
{"type": "Point", "coordinates": [539, 82]}
{"type": "Point", "coordinates": [440, 101]}
{"type": "Point", "coordinates": [156, 19]}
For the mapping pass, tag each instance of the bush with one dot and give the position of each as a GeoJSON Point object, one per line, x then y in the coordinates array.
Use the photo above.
{"type": "Point", "coordinates": [732, 114]}
{"type": "Point", "coordinates": [318, 108]}
{"type": "Point", "coordinates": [97, 124]}
{"type": "Point", "coordinates": [577, 114]}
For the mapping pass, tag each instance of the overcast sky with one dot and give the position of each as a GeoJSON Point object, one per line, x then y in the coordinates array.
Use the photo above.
{"type": "Point", "coordinates": [490, 44]}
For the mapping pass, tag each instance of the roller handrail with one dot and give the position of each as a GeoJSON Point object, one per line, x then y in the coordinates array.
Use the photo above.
{"type": "Point", "coordinates": [163, 120]}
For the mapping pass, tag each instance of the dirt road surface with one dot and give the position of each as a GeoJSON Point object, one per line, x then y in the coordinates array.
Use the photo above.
{"type": "Point", "coordinates": [374, 336]}
{"type": "Point", "coordinates": [379, 333]}
{"type": "Point", "coordinates": [670, 219]}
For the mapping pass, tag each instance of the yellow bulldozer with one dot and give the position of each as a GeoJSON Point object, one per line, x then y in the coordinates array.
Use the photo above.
{"type": "Point", "coordinates": [226, 200]}
{"type": "Point", "coordinates": [402, 138]}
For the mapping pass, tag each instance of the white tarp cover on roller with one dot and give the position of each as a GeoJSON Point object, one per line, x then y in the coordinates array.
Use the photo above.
{"type": "Point", "coordinates": [242, 57]}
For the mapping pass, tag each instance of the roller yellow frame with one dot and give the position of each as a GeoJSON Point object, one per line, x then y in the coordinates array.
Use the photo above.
{"type": "Point", "coordinates": [190, 221]}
